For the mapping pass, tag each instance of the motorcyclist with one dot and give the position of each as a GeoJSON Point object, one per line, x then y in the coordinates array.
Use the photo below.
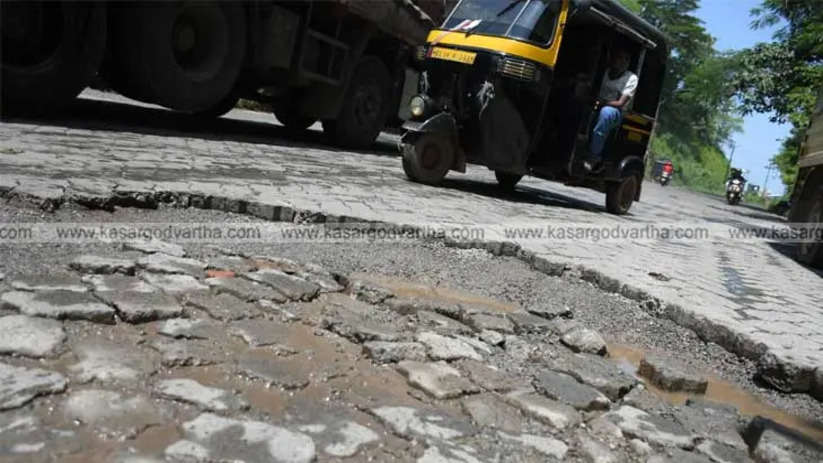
{"type": "Point", "coordinates": [736, 174]}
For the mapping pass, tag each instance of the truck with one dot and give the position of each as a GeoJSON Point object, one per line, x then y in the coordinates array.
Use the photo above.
{"type": "Point", "coordinates": [341, 62]}
{"type": "Point", "coordinates": [807, 196]}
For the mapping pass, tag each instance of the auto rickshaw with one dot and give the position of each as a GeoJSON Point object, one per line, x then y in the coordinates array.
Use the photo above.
{"type": "Point", "coordinates": [512, 85]}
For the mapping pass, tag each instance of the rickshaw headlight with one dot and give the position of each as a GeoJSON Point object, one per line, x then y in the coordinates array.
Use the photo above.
{"type": "Point", "coordinates": [417, 106]}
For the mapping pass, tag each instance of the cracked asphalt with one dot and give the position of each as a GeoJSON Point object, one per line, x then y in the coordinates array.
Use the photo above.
{"type": "Point", "coordinates": [397, 357]}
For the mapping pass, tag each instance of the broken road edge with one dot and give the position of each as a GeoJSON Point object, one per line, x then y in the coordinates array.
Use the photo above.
{"type": "Point", "coordinates": [778, 372]}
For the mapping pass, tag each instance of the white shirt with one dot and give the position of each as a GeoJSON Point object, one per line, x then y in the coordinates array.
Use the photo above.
{"type": "Point", "coordinates": [611, 90]}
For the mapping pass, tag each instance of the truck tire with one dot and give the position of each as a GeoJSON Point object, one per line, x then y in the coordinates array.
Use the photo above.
{"type": "Point", "coordinates": [507, 181]}
{"type": "Point", "coordinates": [227, 104]}
{"type": "Point", "coordinates": [186, 56]}
{"type": "Point", "coordinates": [51, 51]}
{"type": "Point", "coordinates": [811, 253]}
{"type": "Point", "coordinates": [365, 107]}
{"type": "Point", "coordinates": [620, 195]}
{"type": "Point", "coordinates": [293, 120]}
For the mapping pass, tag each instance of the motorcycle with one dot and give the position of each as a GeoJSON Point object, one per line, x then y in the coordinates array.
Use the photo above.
{"type": "Point", "coordinates": [734, 192]}
{"type": "Point", "coordinates": [666, 173]}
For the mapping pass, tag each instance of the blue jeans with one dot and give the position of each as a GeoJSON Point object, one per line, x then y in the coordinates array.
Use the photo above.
{"type": "Point", "coordinates": [608, 119]}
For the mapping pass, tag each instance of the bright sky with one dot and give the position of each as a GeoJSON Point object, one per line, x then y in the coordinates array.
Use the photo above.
{"type": "Point", "coordinates": [729, 22]}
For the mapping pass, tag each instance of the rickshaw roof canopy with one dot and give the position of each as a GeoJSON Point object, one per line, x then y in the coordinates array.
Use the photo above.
{"type": "Point", "coordinates": [617, 12]}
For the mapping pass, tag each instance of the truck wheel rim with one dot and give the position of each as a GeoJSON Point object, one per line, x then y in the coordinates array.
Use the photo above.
{"type": "Point", "coordinates": [367, 103]}
{"type": "Point", "coordinates": [199, 40]}
{"type": "Point", "coordinates": [31, 33]}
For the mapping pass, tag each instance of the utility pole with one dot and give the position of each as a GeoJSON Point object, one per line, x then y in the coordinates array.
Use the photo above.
{"type": "Point", "coordinates": [731, 158]}
{"type": "Point", "coordinates": [766, 181]}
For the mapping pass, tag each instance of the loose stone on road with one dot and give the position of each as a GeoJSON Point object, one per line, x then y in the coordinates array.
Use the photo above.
{"type": "Point", "coordinates": [212, 438]}
{"type": "Point", "coordinates": [344, 378]}
{"type": "Point", "coordinates": [60, 305]}
{"type": "Point", "coordinates": [19, 386]}
{"type": "Point", "coordinates": [30, 336]}
{"type": "Point", "coordinates": [205, 398]}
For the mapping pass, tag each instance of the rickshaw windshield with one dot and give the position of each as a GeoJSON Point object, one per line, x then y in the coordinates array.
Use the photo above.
{"type": "Point", "coordinates": [530, 20]}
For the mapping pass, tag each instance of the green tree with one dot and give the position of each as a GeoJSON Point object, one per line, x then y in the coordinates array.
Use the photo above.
{"type": "Point", "coordinates": [796, 56]}
{"type": "Point", "coordinates": [771, 78]}
{"type": "Point", "coordinates": [803, 30]}
{"type": "Point", "coordinates": [704, 104]}
{"type": "Point", "coordinates": [786, 159]}
{"type": "Point", "coordinates": [689, 41]}
{"type": "Point", "coordinates": [782, 77]}
{"type": "Point", "coordinates": [698, 97]}
{"type": "Point", "coordinates": [699, 112]}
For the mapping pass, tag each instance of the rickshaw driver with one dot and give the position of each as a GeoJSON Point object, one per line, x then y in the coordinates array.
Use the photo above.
{"type": "Point", "coordinates": [618, 88]}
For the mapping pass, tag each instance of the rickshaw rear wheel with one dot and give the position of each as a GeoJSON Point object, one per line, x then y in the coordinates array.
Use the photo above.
{"type": "Point", "coordinates": [428, 159]}
{"type": "Point", "coordinates": [620, 195]}
{"type": "Point", "coordinates": [507, 181]}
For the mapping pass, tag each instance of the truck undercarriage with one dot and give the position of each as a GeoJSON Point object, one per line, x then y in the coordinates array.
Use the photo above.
{"type": "Point", "coordinates": [340, 62]}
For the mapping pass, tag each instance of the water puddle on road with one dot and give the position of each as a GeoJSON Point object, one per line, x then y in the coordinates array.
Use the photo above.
{"type": "Point", "coordinates": [155, 439]}
{"type": "Point", "coordinates": [721, 392]}
{"type": "Point", "coordinates": [405, 288]}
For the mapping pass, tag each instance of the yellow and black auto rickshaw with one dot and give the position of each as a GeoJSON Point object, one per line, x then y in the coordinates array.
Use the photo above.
{"type": "Point", "coordinates": [513, 85]}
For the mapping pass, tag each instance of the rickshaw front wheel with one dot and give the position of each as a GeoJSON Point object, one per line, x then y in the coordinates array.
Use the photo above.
{"type": "Point", "coordinates": [507, 181]}
{"type": "Point", "coordinates": [620, 195]}
{"type": "Point", "coordinates": [427, 160]}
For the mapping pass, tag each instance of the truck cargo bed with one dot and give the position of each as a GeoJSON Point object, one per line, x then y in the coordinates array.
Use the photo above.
{"type": "Point", "coordinates": [404, 19]}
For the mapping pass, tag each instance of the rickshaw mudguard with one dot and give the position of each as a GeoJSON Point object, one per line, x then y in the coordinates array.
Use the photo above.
{"type": "Point", "coordinates": [632, 164]}
{"type": "Point", "coordinates": [442, 123]}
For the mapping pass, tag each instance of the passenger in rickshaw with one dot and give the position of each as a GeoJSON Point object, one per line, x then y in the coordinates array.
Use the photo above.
{"type": "Point", "coordinates": [618, 88]}
{"type": "Point", "coordinates": [572, 95]}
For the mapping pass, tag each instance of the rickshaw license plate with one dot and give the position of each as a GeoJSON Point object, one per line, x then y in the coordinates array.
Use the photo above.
{"type": "Point", "coordinates": [448, 54]}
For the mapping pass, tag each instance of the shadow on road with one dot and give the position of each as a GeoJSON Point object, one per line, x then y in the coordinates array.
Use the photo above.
{"type": "Point", "coordinates": [762, 215]}
{"type": "Point", "coordinates": [122, 117]}
{"type": "Point", "coordinates": [523, 195]}
{"type": "Point", "coordinates": [790, 250]}
{"type": "Point", "coordinates": [115, 116]}
{"type": "Point", "coordinates": [756, 212]}
{"type": "Point", "coordinates": [746, 210]}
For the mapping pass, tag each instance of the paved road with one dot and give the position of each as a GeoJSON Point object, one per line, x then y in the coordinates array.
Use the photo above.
{"type": "Point", "coordinates": [750, 296]}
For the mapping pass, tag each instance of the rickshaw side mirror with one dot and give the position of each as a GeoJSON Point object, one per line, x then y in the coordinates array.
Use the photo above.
{"type": "Point", "coordinates": [580, 6]}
